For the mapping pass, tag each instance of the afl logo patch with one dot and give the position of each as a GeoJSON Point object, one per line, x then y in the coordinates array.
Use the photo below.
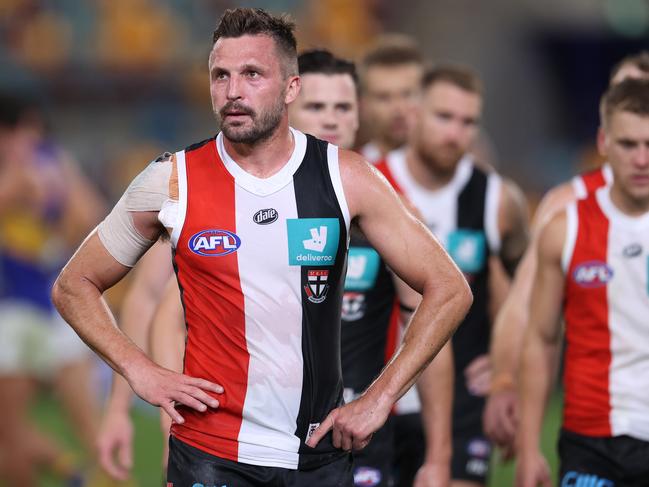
{"type": "Point", "coordinates": [214, 243]}
{"type": "Point", "coordinates": [592, 274]}
{"type": "Point", "coordinates": [265, 217]}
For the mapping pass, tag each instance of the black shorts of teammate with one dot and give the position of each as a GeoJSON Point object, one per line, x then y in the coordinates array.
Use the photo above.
{"type": "Point", "coordinates": [191, 467]}
{"type": "Point", "coordinates": [409, 447]}
{"type": "Point", "coordinates": [620, 461]}
{"type": "Point", "coordinates": [373, 464]}
{"type": "Point", "coordinates": [471, 448]}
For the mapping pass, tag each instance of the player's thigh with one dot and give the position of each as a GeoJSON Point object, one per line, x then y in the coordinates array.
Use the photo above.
{"type": "Point", "coordinates": [189, 466]}
{"type": "Point", "coordinates": [409, 448]}
{"type": "Point", "coordinates": [335, 474]}
{"type": "Point", "coordinates": [605, 462]}
{"type": "Point", "coordinates": [470, 459]}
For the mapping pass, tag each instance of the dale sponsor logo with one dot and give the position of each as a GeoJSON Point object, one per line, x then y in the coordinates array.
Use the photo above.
{"type": "Point", "coordinates": [594, 273]}
{"type": "Point", "coordinates": [266, 216]}
{"type": "Point", "coordinates": [317, 287]}
{"type": "Point", "coordinates": [214, 243]}
{"type": "Point", "coordinates": [312, 241]}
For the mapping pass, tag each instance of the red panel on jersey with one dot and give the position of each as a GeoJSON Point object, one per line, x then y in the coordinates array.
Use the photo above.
{"type": "Point", "coordinates": [216, 347]}
{"type": "Point", "coordinates": [594, 179]}
{"type": "Point", "coordinates": [587, 402]}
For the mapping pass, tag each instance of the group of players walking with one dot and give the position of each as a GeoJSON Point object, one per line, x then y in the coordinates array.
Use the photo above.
{"type": "Point", "coordinates": [272, 254]}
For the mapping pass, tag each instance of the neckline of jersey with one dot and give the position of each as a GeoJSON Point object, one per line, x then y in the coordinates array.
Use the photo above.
{"type": "Point", "coordinates": [269, 185]}
{"type": "Point", "coordinates": [614, 214]}
{"type": "Point", "coordinates": [397, 163]}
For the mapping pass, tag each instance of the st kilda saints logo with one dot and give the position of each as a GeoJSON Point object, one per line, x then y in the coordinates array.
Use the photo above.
{"type": "Point", "coordinates": [317, 287]}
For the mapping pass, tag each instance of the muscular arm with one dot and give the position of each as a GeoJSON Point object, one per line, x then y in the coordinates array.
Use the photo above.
{"type": "Point", "coordinates": [540, 345]}
{"type": "Point", "coordinates": [435, 388]}
{"type": "Point", "coordinates": [511, 321]}
{"type": "Point", "coordinates": [412, 252]}
{"type": "Point", "coordinates": [77, 293]}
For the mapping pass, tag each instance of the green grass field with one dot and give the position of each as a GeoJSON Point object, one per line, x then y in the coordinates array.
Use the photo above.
{"type": "Point", "coordinates": [148, 442]}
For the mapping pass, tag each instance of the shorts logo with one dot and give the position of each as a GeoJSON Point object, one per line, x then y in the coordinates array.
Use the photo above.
{"type": "Point", "coordinates": [367, 476]}
{"type": "Point", "coordinates": [577, 479]}
{"type": "Point", "coordinates": [312, 241]}
{"type": "Point", "coordinates": [468, 250]}
{"type": "Point", "coordinates": [353, 308]}
{"type": "Point", "coordinates": [265, 217]}
{"type": "Point", "coordinates": [214, 243]}
{"type": "Point", "coordinates": [479, 447]}
{"type": "Point", "coordinates": [317, 287]}
{"type": "Point", "coordinates": [362, 268]}
{"type": "Point", "coordinates": [632, 250]}
{"type": "Point", "coordinates": [593, 274]}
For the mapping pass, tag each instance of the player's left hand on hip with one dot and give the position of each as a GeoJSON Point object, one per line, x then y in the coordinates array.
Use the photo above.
{"type": "Point", "coordinates": [352, 425]}
{"type": "Point", "coordinates": [433, 475]}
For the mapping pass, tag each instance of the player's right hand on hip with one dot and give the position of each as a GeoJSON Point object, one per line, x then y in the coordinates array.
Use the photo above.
{"type": "Point", "coordinates": [164, 388]}
{"type": "Point", "coordinates": [352, 425]}
{"type": "Point", "coordinates": [532, 470]}
{"type": "Point", "coordinates": [115, 442]}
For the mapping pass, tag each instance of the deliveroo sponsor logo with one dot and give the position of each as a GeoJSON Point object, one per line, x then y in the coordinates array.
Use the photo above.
{"type": "Point", "coordinates": [312, 241]}
{"type": "Point", "coordinates": [362, 269]}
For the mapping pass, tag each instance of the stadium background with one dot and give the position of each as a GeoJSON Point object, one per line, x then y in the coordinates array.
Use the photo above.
{"type": "Point", "coordinates": [124, 80]}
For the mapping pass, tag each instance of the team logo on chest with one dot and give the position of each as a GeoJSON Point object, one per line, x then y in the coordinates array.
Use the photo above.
{"type": "Point", "coordinates": [594, 273]}
{"type": "Point", "coordinates": [317, 287]}
{"type": "Point", "coordinates": [214, 243]}
{"type": "Point", "coordinates": [353, 308]}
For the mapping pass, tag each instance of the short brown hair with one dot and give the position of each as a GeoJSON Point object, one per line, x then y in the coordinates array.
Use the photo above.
{"type": "Point", "coordinates": [630, 95]}
{"type": "Point", "coordinates": [461, 76]}
{"type": "Point", "coordinates": [639, 60]}
{"type": "Point", "coordinates": [238, 22]}
{"type": "Point", "coordinates": [392, 50]}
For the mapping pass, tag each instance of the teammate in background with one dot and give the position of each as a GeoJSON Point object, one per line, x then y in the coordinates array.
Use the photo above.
{"type": "Point", "coordinates": [390, 76]}
{"type": "Point", "coordinates": [501, 412]}
{"type": "Point", "coordinates": [256, 297]}
{"type": "Point", "coordinates": [592, 268]}
{"type": "Point", "coordinates": [46, 206]}
{"type": "Point", "coordinates": [477, 216]}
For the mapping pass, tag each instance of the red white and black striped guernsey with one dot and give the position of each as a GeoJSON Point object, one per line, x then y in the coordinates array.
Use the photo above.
{"type": "Point", "coordinates": [587, 182]}
{"type": "Point", "coordinates": [606, 262]}
{"type": "Point", "coordinates": [463, 215]}
{"type": "Point", "coordinates": [261, 268]}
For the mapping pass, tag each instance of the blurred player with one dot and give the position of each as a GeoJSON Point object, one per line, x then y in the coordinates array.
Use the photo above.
{"type": "Point", "coordinates": [390, 87]}
{"type": "Point", "coordinates": [262, 301]}
{"type": "Point", "coordinates": [592, 268]}
{"type": "Point", "coordinates": [46, 206]}
{"type": "Point", "coordinates": [501, 412]}
{"type": "Point", "coordinates": [478, 217]}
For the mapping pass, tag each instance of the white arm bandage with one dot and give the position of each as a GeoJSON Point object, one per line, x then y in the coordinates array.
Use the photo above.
{"type": "Point", "coordinates": [148, 192]}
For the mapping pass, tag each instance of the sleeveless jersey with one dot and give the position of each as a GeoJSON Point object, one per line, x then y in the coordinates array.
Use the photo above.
{"type": "Point", "coordinates": [606, 374]}
{"type": "Point", "coordinates": [585, 183]}
{"type": "Point", "coordinates": [369, 309]}
{"type": "Point", "coordinates": [463, 215]}
{"type": "Point", "coordinates": [261, 267]}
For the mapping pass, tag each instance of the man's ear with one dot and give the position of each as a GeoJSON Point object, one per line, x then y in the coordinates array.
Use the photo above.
{"type": "Point", "coordinates": [292, 90]}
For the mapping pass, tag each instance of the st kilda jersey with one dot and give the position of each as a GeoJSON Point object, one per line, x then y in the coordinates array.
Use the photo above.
{"type": "Point", "coordinates": [606, 311]}
{"type": "Point", "coordinates": [463, 215]}
{"type": "Point", "coordinates": [261, 267]}
{"type": "Point", "coordinates": [369, 316]}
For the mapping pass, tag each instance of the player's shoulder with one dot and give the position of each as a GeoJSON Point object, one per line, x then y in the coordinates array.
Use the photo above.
{"type": "Point", "coordinates": [552, 234]}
